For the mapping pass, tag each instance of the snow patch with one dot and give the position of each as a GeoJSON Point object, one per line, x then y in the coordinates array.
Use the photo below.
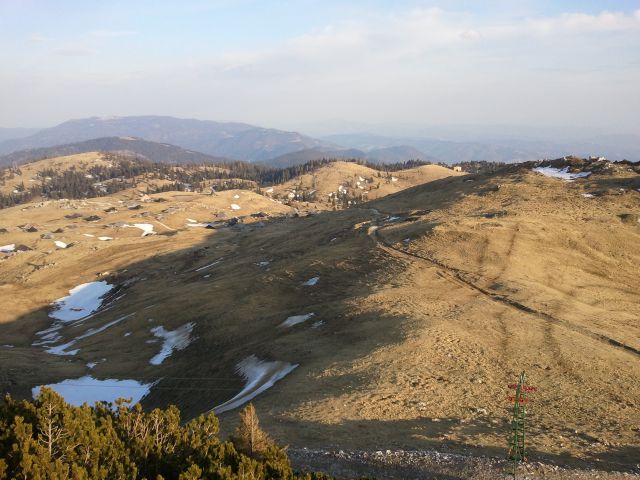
{"type": "Point", "coordinates": [260, 375]}
{"type": "Point", "coordinates": [296, 319]}
{"type": "Point", "coordinates": [8, 248]}
{"type": "Point", "coordinates": [236, 196]}
{"type": "Point", "coordinates": [60, 244]}
{"type": "Point", "coordinates": [562, 173]}
{"type": "Point", "coordinates": [62, 349]}
{"type": "Point", "coordinates": [235, 206]}
{"type": "Point", "coordinates": [197, 225]}
{"type": "Point", "coordinates": [311, 282]}
{"type": "Point", "coordinates": [147, 228]}
{"type": "Point", "coordinates": [177, 339]}
{"type": "Point", "coordinates": [88, 235]}
{"type": "Point", "coordinates": [207, 266]}
{"type": "Point", "coordinates": [588, 195]}
{"type": "Point", "coordinates": [105, 239]}
{"type": "Point", "coordinates": [82, 301]}
{"type": "Point", "coordinates": [191, 220]}
{"type": "Point", "coordinates": [91, 390]}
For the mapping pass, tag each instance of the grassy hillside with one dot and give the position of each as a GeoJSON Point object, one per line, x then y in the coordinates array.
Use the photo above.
{"type": "Point", "coordinates": [426, 304]}
{"type": "Point", "coordinates": [339, 182]}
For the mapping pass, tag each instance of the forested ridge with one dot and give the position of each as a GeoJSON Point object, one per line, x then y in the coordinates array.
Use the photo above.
{"type": "Point", "coordinates": [50, 439]}
{"type": "Point", "coordinates": [126, 172]}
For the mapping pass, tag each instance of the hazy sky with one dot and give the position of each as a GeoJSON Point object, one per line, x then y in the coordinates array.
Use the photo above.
{"type": "Point", "coordinates": [284, 64]}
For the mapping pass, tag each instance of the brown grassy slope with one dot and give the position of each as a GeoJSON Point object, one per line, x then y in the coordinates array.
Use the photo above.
{"type": "Point", "coordinates": [34, 278]}
{"type": "Point", "coordinates": [82, 162]}
{"type": "Point", "coordinates": [29, 171]}
{"type": "Point", "coordinates": [463, 297]}
{"type": "Point", "coordinates": [372, 183]}
{"type": "Point", "coordinates": [419, 338]}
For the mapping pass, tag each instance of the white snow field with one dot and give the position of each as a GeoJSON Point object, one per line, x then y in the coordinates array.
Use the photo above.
{"type": "Point", "coordinates": [296, 319]}
{"type": "Point", "coordinates": [311, 282]}
{"type": "Point", "coordinates": [177, 339]}
{"type": "Point", "coordinates": [562, 173]}
{"type": "Point", "coordinates": [60, 244]}
{"type": "Point", "coordinates": [259, 375]}
{"type": "Point", "coordinates": [8, 248]}
{"type": "Point", "coordinates": [235, 206]}
{"type": "Point", "coordinates": [82, 301]}
{"type": "Point", "coordinates": [147, 228]}
{"type": "Point", "coordinates": [87, 389]}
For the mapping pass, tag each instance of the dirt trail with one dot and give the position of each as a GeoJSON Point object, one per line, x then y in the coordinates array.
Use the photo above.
{"type": "Point", "coordinates": [457, 277]}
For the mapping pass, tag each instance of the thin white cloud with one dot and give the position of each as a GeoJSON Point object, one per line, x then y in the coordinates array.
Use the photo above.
{"type": "Point", "coordinates": [113, 33]}
{"type": "Point", "coordinates": [73, 50]}
{"type": "Point", "coordinates": [414, 65]}
{"type": "Point", "coordinates": [39, 38]}
{"type": "Point", "coordinates": [414, 33]}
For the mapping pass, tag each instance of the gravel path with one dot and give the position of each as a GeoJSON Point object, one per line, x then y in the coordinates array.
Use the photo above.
{"type": "Point", "coordinates": [410, 465]}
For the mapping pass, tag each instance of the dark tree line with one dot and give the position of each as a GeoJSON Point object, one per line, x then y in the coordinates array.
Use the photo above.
{"type": "Point", "coordinates": [49, 439]}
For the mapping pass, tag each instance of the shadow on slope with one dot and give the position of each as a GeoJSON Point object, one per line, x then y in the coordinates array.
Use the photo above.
{"type": "Point", "coordinates": [236, 305]}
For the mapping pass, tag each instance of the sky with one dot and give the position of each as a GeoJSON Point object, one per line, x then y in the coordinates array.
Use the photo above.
{"type": "Point", "coordinates": [303, 63]}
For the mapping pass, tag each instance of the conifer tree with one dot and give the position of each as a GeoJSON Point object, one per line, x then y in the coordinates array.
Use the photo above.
{"type": "Point", "coordinates": [249, 438]}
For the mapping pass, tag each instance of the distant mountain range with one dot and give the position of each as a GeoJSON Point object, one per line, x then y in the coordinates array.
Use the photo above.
{"type": "Point", "coordinates": [157, 152]}
{"type": "Point", "coordinates": [395, 154]}
{"type": "Point", "coordinates": [15, 133]}
{"type": "Point", "coordinates": [502, 149]}
{"type": "Point", "coordinates": [232, 140]}
{"type": "Point", "coordinates": [200, 140]}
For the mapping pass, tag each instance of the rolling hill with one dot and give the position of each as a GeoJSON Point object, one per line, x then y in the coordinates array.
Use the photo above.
{"type": "Point", "coordinates": [398, 323]}
{"type": "Point", "coordinates": [340, 182]}
{"type": "Point", "coordinates": [157, 152]}
{"type": "Point", "coordinates": [395, 154]}
{"type": "Point", "coordinates": [233, 140]}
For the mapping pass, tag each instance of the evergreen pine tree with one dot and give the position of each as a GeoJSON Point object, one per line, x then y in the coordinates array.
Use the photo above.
{"type": "Point", "coordinates": [249, 438]}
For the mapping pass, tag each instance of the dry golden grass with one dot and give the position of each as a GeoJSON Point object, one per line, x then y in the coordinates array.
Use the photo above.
{"type": "Point", "coordinates": [419, 338]}
{"type": "Point", "coordinates": [359, 179]}
{"type": "Point", "coordinates": [29, 171]}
